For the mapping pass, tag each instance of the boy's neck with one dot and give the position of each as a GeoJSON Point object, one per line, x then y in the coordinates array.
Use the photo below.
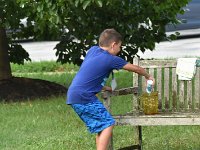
{"type": "Point", "coordinates": [108, 49]}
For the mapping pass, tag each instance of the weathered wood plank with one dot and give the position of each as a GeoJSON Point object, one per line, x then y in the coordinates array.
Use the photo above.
{"type": "Point", "coordinates": [193, 94]}
{"type": "Point", "coordinates": [166, 88]}
{"type": "Point", "coordinates": [181, 95]}
{"type": "Point", "coordinates": [107, 100]}
{"type": "Point", "coordinates": [123, 91]}
{"type": "Point", "coordinates": [107, 104]}
{"type": "Point", "coordinates": [174, 90]}
{"type": "Point", "coordinates": [135, 84]}
{"type": "Point", "coordinates": [159, 87]}
{"type": "Point", "coordinates": [159, 119]}
{"type": "Point", "coordinates": [151, 72]}
{"type": "Point", "coordinates": [170, 89]}
{"type": "Point", "coordinates": [189, 95]}
{"type": "Point", "coordinates": [143, 85]}
{"type": "Point", "coordinates": [197, 89]}
{"type": "Point", "coordinates": [163, 89]}
{"type": "Point", "coordinates": [158, 63]}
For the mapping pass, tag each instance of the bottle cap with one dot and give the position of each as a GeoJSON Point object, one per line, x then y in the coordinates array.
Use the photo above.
{"type": "Point", "coordinates": [150, 82]}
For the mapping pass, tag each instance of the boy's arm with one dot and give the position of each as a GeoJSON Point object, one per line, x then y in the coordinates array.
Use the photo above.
{"type": "Point", "coordinates": [139, 70]}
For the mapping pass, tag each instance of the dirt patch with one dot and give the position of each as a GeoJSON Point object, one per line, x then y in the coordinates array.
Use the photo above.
{"type": "Point", "coordinates": [21, 89]}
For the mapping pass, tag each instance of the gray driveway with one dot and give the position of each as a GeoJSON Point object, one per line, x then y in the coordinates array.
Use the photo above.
{"type": "Point", "coordinates": [174, 49]}
{"type": "Point", "coordinates": [43, 51]}
{"type": "Point", "coordinates": [40, 51]}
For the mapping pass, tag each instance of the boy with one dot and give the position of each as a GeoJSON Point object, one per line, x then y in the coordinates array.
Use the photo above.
{"type": "Point", "coordinates": [90, 79]}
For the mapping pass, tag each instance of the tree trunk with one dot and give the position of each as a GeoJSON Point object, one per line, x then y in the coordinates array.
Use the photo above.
{"type": "Point", "coordinates": [5, 69]}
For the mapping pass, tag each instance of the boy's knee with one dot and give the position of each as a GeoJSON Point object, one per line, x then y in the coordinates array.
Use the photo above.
{"type": "Point", "coordinates": [110, 127]}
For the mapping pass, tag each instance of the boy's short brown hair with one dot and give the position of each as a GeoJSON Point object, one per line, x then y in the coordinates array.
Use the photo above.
{"type": "Point", "coordinates": [108, 36]}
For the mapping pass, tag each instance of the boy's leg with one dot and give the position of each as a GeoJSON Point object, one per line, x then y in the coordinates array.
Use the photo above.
{"type": "Point", "coordinates": [103, 138]}
{"type": "Point", "coordinates": [98, 120]}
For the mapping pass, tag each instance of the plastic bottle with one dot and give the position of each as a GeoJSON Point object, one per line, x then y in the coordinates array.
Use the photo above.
{"type": "Point", "coordinates": [149, 86]}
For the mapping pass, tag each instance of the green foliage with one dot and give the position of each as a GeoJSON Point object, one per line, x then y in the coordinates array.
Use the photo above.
{"type": "Point", "coordinates": [10, 14]}
{"type": "Point", "coordinates": [46, 17]}
{"type": "Point", "coordinates": [10, 20]}
{"type": "Point", "coordinates": [142, 23]}
{"type": "Point", "coordinates": [86, 3]}
{"type": "Point", "coordinates": [17, 54]}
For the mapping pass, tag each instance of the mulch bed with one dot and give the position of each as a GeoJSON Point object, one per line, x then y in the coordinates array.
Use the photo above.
{"type": "Point", "coordinates": [21, 89]}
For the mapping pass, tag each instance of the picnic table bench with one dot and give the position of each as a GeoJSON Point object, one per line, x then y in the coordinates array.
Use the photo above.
{"type": "Point", "coordinates": [179, 101]}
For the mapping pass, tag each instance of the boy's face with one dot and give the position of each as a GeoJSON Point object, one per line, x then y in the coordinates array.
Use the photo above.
{"type": "Point", "coordinates": [116, 47]}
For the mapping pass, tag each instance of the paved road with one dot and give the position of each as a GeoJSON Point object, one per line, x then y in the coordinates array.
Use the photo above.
{"type": "Point", "coordinates": [43, 51]}
{"type": "Point", "coordinates": [174, 49]}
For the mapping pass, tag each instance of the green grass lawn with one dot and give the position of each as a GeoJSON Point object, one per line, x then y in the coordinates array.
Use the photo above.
{"type": "Point", "coordinates": [50, 124]}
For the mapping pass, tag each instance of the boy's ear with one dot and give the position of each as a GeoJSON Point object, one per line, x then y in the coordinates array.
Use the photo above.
{"type": "Point", "coordinates": [112, 44]}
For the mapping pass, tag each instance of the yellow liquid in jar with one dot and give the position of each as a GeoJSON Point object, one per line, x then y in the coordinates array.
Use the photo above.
{"type": "Point", "coordinates": [150, 103]}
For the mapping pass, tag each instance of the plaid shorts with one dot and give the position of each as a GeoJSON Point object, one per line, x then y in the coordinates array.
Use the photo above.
{"type": "Point", "coordinates": [94, 115]}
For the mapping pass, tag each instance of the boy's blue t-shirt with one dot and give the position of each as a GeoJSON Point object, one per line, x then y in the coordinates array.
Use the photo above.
{"type": "Point", "coordinates": [92, 76]}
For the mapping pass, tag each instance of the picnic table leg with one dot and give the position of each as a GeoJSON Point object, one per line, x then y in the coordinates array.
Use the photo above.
{"type": "Point", "coordinates": [106, 97]}
{"type": "Point", "coordinates": [139, 137]}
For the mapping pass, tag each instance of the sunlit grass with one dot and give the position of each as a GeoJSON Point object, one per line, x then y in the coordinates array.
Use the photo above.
{"type": "Point", "coordinates": [50, 124]}
{"type": "Point", "coordinates": [43, 66]}
{"type": "Point", "coordinates": [45, 124]}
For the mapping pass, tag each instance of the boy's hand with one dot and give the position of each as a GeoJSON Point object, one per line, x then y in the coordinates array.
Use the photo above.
{"type": "Point", "coordinates": [107, 88]}
{"type": "Point", "coordinates": [151, 78]}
